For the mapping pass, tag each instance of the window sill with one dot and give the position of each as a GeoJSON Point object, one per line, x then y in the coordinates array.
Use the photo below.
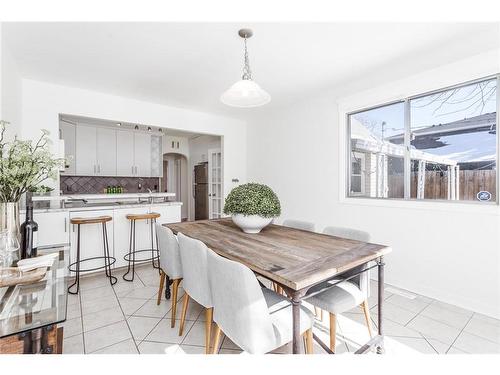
{"type": "Point", "coordinates": [489, 208]}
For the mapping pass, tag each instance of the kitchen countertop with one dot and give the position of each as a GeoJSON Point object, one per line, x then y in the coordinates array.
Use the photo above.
{"type": "Point", "coordinates": [102, 196]}
{"type": "Point", "coordinates": [81, 206]}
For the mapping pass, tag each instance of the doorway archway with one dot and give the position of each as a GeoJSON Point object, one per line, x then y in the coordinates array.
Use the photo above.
{"type": "Point", "coordinates": [175, 179]}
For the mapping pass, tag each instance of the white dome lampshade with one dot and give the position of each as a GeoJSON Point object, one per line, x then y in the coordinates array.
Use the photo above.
{"type": "Point", "coordinates": [245, 94]}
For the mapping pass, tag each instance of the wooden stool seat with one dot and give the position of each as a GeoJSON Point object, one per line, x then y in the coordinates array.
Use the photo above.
{"type": "Point", "coordinates": [90, 220]}
{"type": "Point", "coordinates": [147, 216]}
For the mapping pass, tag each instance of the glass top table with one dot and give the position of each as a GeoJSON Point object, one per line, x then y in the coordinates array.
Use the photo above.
{"type": "Point", "coordinates": [43, 303]}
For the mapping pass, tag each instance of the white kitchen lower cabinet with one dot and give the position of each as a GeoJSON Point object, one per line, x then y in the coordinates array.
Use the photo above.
{"type": "Point", "coordinates": [53, 227]}
{"type": "Point", "coordinates": [91, 239]}
{"type": "Point", "coordinates": [169, 214]}
{"type": "Point", "coordinates": [122, 234]}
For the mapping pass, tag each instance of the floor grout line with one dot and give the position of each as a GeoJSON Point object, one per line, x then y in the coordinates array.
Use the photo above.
{"type": "Point", "coordinates": [428, 342]}
{"type": "Point", "coordinates": [118, 342]}
{"type": "Point", "coordinates": [456, 338]}
{"type": "Point", "coordinates": [81, 320]}
{"type": "Point", "coordinates": [152, 329]}
{"type": "Point", "coordinates": [418, 313]}
{"type": "Point", "coordinates": [126, 322]}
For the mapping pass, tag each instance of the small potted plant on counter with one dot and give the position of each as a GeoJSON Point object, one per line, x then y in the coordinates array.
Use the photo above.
{"type": "Point", "coordinates": [252, 206]}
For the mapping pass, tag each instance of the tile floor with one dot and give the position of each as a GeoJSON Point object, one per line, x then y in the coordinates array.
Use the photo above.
{"type": "Point", "coordinates": [125, 319]}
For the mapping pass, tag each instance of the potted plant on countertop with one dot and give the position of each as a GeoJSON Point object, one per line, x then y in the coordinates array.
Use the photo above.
{"type": "Point", "coordinates": [252, 206]}
{"type": "Point", "coordinates": [24, 165]}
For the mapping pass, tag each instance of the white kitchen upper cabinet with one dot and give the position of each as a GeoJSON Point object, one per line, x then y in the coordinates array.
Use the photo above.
{"type": "Point", "coordinates": [125, 153]}
{"type": "Point", "coordinates": [86, 150]}
{"type": "Point", "coordinates": [68, 135]}
{"type": "Point", "coordinates": [91, 239]}
{"type": "Point", "coordinates": [142, 153]}
{"type": "Point", "coordinates": [106, 152]}
{"type": "Point", "coordinates": [53, 227]}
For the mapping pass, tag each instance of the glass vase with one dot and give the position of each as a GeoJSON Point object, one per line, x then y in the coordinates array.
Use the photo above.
{"type": "Point", "coordinates": [9, 219]}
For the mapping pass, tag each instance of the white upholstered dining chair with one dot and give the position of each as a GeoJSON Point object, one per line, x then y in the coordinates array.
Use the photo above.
{"type": "Point", "coordinates": [347, 294]}
{"type": "Point", "coordinates": [256, 319]}
{"type": "Point", "coordinates": [195, 281]}
{"type": "Point", "coordinates": [170, 265]}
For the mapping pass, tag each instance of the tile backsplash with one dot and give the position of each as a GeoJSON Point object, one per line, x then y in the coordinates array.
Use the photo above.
{"type": "Point", "coordinates": [98, 184]}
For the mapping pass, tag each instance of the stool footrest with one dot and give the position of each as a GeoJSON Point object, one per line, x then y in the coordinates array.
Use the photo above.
{"type": "Point", "coordinates": [129, 256]}
{"type": "Point", "coordinates": [112, 260]}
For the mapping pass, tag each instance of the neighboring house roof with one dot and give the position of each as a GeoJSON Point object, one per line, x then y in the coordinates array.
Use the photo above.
{"type": "Point", "coordinates": [365, 141]}
{"type": "Point", "coordinates": [469, 140]}
{"type": "Point", "coordinates": [486, 122]}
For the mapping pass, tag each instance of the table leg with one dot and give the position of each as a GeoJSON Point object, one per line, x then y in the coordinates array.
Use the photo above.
{"type": "Point", "coordinates": [381, 264]}
{"type": "Point", "coordinates": [168, 282]}
{"type": "Point", "coordinates": [296, 302]}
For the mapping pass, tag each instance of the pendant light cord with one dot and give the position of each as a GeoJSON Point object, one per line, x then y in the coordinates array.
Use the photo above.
{"type": "Point", "coordinates": [247, 73]}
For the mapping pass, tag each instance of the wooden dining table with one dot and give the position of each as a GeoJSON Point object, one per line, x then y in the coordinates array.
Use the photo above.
{"type": "Point", "coordinates": [294, 259]}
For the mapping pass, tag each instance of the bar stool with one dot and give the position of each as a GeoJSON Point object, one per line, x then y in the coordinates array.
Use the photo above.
{"type": "Point", "coordinates": [130, 257]}
{"type": "Point", "coordinates": [108, 260]}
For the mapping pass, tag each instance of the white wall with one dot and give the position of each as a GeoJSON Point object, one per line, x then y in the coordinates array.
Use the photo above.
{"type": "Point", "coordinates": [446, 251]}
{"type": "Point", "coordinates": [10, 91]}
{"type": "Point", "coordinates": [43, 102]}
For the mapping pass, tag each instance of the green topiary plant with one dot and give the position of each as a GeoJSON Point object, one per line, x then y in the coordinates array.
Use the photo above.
{"type": "Point", "coordinates": [252, 199]}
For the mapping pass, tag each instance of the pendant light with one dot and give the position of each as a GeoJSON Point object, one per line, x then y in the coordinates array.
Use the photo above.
{"type": "Point", "coordinates": [245, 93]}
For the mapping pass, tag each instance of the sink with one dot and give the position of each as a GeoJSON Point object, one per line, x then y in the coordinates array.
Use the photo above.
{"type": "Point", "coordinates": [83, 204]}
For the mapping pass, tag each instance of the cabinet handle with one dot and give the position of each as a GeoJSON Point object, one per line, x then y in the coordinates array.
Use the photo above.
{"type": "Point", "coordinates": [65, 225]}
{"type": "Point", "coordinates": [94, 168]}
{"type": "Point", "coordinates": [132, 169]}
{"type": "Point", "coordinates": [98, 168]}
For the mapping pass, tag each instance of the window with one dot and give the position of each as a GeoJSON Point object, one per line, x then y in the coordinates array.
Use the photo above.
{"type": "Point", "coordinates": [381, 169]}
{"type": "Point", "coordinates": [444, 148]}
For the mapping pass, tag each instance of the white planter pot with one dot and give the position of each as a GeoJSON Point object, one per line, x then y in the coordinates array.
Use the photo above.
{"type": "Point", "coordinates": [251, 223]}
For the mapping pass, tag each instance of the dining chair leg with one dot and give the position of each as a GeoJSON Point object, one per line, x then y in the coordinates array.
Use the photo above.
{"type": "Point", "coordinates": [173, 312]}
{"type": "Point", "coordinates": [333, 331]}
{"type": "Point", "coordinates": [185, 302]}
{"type": "Point", "coordinates": [318, 312]}
{"type": "Point", "coordinates": [309, 341]}
{"type": "Point", "coordinates": [216, 339]}
{"type": "Point", "coordinates": [208, 328]}
{"type": "Point", "coordinates": [160, 290]}
{"type": "Point", "coordinates": [366, 310]}
{"type": "Point", "coordinates": [279, 289]}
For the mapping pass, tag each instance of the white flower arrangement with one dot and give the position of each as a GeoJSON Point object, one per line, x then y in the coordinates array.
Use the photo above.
{"type": "Point", "coordinates": [24, 165]}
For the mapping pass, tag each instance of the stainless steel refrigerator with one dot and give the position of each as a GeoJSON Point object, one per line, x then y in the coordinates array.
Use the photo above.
{"type": "Point", "coordinates": [200, 191]}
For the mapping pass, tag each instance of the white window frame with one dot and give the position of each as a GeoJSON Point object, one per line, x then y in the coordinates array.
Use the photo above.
{"type": "Point", "coordinates": [407, 159]}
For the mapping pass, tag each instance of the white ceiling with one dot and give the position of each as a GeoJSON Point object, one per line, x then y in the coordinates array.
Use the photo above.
{"type": "Point", "coordinates": [191, 64]}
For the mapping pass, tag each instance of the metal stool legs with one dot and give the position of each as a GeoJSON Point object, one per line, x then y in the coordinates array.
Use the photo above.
{"type": "Point", "coordinates": [108, 261]}
{"type": "Point", "coordinates": [131, 256]}
{"type": "Point", "coordinates": [131, 253]}
{"type": "Point", "coordinates": [77, 280]}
